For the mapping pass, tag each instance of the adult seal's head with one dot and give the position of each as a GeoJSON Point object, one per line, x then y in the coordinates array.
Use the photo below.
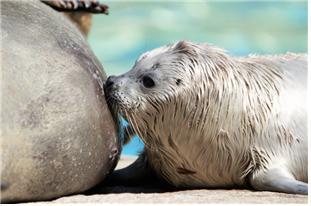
{"type": "Point", "coordinates": [211, 120]}
{"type": "Point", "coordinates": [57, 134]}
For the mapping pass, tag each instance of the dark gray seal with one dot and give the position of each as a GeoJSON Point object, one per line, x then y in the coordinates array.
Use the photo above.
{"type": "Point", "coordinates": [57, 135]}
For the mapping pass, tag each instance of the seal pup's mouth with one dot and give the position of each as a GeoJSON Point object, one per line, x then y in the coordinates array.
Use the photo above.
{"type": "Point", "coordinates": [115, 101]}
{"type": "Point", "coordinates": [115, 104]}
{"type": "Point", "coordinates": [119, 99]}
{"type": "Point", "coordinates": [110, 95]}
{"type": "Point", "coordinates": [123, 109]}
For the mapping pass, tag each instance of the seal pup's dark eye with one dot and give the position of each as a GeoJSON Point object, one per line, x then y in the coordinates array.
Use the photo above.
{"type": "Point", "coordinates": [148, 82]}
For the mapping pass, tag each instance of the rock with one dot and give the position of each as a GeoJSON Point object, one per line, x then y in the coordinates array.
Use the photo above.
{"type": "Point", "coordinates": [132, 195]}
{"type": "Point", "coordinates": [57, 134]}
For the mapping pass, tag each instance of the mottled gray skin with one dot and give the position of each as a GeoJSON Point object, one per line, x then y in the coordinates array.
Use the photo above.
{"type": "Point", "coordinates": [57, 135]}
{"type": "Point", "coordinates": [210, 120]}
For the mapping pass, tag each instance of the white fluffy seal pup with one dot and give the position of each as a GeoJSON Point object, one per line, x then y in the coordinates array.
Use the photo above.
{"type": "Point", "coordinates": [210, 120]}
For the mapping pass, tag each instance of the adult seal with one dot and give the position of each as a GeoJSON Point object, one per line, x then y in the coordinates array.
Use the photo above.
{"type": "Point", "coordinates": [210, 120]}
{"type": "Point", "coordinates": [57, 134]}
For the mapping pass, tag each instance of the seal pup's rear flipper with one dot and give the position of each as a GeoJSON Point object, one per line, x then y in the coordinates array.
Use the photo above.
{"type": "Point", "coordinates": [278, 180]}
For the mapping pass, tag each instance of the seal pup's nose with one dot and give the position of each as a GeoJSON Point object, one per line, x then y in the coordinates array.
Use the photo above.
{"type": "Point", "coordinates": [109, 83]}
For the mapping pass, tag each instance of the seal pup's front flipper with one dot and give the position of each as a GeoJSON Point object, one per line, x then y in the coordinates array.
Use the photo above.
{"type": "Point", "coordinates": [278, 180]}
{"type": "Point", "coordinates": [135, 174]}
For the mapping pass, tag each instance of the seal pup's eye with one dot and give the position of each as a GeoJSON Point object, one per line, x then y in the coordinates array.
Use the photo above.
{"type": "Point", "coordinates": [148, 82]}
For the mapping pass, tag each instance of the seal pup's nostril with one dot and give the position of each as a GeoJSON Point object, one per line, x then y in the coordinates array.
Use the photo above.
{"type": "Point", "coordinates": [109, 81]}
{"type": "Point", "coordinates": [109, 84]}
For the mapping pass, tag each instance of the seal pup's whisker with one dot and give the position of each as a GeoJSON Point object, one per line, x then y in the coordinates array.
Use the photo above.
{"type": "Point", "coordinates": [137, 130]}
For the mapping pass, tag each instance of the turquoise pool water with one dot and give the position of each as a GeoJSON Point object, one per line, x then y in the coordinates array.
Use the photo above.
{"type": "Point", "coordinates": [241, 27]}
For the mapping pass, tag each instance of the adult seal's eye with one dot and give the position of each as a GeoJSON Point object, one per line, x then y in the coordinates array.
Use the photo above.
{"type": "Point", "coordinates": [148, 82]}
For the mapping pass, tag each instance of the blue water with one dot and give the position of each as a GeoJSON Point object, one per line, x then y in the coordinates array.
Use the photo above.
{"type": "Point", "coordinates": [241, 27]}
{"type": "Point", "coordinates": [135, 146]}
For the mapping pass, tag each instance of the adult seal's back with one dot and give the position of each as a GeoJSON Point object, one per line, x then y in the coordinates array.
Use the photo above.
{"type": "Point", "coordinates": [57, 135]}
{"type": "Point", "coordinates": [210, 120]}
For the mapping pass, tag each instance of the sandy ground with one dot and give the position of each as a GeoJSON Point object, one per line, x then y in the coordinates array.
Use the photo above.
{"type": "Point", "coordinates": [122, 194]}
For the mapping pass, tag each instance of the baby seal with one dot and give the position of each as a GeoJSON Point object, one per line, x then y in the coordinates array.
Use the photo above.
{"type": "Point", "coordinates": [210, 120]}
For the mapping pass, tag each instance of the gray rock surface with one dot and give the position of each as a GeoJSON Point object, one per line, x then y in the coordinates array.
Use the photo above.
{"type": "Point", "coordinates": [123, 195]}
{"type": "Point", "coordinates": [57, 135]}
{"type": "Point", "coordinates": [190, 196]}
